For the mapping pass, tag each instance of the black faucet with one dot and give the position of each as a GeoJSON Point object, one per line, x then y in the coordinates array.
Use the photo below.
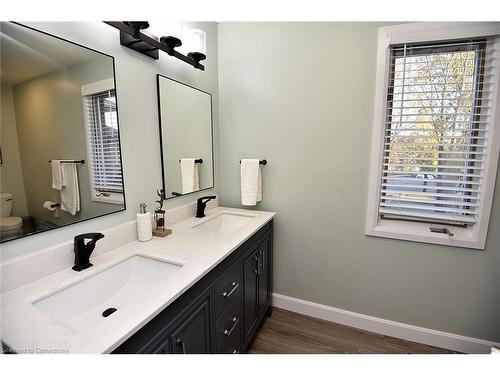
{"type": "Point", "coordinates": [83, 250]}
{"type": "Point", "coordinates": [201, 203]}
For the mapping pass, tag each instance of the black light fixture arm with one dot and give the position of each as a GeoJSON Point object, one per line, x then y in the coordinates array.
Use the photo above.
{"type": "Point", "coordinates": [137, 26]}
{"type": "Point", "coordinates": [165, 44]}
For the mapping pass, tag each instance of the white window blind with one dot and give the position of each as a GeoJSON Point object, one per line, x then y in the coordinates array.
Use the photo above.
{"type": "Point", "coordinates": [104, 142]}
{"type": "Point", "coordinates": [436, 131]}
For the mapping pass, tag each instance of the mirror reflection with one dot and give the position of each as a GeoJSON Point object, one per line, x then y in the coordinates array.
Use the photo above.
{"type": "Point", "coordinates": [186, 137]}
{"type": "Point", "coordinates": [60, 146]}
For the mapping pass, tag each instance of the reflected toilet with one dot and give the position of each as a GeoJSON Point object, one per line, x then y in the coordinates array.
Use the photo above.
{"type": "Point", "coordinates": [9, 225]}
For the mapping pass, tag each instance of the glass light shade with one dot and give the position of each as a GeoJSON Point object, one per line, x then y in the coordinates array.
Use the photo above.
{"type": "Point", "coordinates": [166, 28]}
{"type": "Point", "coordinates": [195, 40]}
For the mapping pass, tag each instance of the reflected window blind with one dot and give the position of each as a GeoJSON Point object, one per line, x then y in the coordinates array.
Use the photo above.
{"type": "Point", "coordinates": [104, 142]}
{"type": "Point", "coordinates": [436, 131]}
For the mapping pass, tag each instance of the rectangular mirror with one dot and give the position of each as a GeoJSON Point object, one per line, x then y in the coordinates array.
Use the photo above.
{"type": "Point", "coordinates": [60, 141]}
{"type": "Point", "coordinates": [185, 137]}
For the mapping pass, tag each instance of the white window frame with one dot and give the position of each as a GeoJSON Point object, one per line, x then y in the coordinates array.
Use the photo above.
{"type": "Point", "coordinates": [91, 89]}
{"type": "Point", "coordinates": [474, 236]}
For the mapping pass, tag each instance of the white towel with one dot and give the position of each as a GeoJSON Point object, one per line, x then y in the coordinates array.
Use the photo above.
{"type": "Point", "coordinates": [57, 181]}
{"type": "Point", "coordinates": [251, 182]}
{"type": "Point", "coordinates": [189, 174]}
{"type": "Point", "coordinates": [70, 193]}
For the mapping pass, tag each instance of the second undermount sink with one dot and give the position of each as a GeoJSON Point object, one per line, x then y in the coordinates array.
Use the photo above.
{"type": "Point", "coordinates": [225, 222]}
{"type": "Point", "coordinates": [89, 301]}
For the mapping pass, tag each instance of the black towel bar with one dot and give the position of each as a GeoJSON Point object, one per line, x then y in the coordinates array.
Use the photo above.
{"type": "Point", "coordinates": [261, 162]}
{"type": "Point", "coordinates": [71, 161]}
{"type": "Point", "coordinates": [197, 161]}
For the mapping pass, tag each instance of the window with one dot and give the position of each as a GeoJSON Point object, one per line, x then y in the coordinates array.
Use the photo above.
{"type": "Point", "coordinates": [437, 156]}
{"type": "Point", "coordinates": [103, 142]}
{"type": "Point", "coordinates": [435, 131]}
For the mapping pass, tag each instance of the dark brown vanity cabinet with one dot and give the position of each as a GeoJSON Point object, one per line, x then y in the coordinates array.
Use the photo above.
{"type": "Point", "coordinates": [221, 312]}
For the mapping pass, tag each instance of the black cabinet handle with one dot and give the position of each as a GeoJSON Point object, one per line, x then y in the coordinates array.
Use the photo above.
{"type": "Point", "coordinates": [256, 269]}
{"type": "Point", "coordinates": [235, 286]}
{"type": "Point", "coordinates": [183, 345]}
{"type": "Point", "coordinates": [260, 262]}
{"type": "Point", "coordinates": [235, 323]}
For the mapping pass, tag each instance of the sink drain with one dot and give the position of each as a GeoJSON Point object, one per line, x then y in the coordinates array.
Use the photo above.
{"type": "Point", "coordinates": [108, 312]}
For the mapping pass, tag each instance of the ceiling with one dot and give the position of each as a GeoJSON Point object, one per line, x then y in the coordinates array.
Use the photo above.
{"type": "Point", "coordinates": [26, 54]}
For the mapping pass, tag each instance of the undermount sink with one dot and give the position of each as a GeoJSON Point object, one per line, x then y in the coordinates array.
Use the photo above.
{"type": "Point", "coordinates": [225, 223]}
{"type": "Point", "coordinates": [85, 303]}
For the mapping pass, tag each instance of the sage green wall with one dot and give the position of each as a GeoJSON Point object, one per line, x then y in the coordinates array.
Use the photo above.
{"type": "Point", "coordinates": [11, 177]}
{"type": "Point", "coordinates": [301, 96]}
{"type": "Point", "coordinates": [138, 115]}
{"type": "Point", "coordinates": [50, 125]}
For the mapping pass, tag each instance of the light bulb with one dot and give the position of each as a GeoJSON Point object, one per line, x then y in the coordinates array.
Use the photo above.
{"type": "Point", "coordinates": [166, 28]}
{"type": "Point", "coordinates": [195, 40]}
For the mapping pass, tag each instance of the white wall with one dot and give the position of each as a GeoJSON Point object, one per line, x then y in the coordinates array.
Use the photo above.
{"type": "Point", "coordinates": [301, 96]}
{"type": "Point", "coordinates": [138, 116]}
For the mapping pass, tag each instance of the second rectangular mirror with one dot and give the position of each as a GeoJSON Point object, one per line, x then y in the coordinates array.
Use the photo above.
{"type": "Point", "coordinates": [185, 137]}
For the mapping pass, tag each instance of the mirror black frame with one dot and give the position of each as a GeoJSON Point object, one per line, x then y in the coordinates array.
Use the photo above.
{"type": "Point", "coordinates": [124, 207]}
{"type": "Point", "coordinates": [163, 162]}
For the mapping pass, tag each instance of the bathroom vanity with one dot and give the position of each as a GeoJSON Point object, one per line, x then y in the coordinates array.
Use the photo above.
{"type": "Point", "coordinates": [203, 289]}
{"type": "Point", "coordinates": [221, 312]}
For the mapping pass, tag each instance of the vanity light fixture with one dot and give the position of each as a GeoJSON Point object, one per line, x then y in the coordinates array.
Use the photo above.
{"type": "Point", "coordinates": [134, 36]}
{"type": "Point", "coordinates": [196, 42]}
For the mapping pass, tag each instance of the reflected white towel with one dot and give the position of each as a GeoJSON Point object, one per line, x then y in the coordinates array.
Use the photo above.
{"type": "Point", "coordinates": [189, 174]}
{"type": "Point", "coordinates": [70, 193]}
{"type": "Point", "coordinates": [251, 182]}
{"type": "Point", "coordinates": [57, 181]}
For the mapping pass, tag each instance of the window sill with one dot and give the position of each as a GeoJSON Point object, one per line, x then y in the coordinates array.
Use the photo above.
{"type": "Point", "coordinates": [419, 232]}
{"type": "Point", "coordinates": [113, 198]}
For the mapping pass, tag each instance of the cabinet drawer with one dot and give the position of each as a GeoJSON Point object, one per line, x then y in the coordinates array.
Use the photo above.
{"type": "Point", "coordinates": [227, 291]}
{"type": "Point", "coordinates": [228, 331]}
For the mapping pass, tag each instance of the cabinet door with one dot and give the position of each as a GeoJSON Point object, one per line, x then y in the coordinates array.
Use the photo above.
{"type": "Point", "coordinates": [250, 291]}
{"type": "Point", "coordinates": [163, 348]}
{"type": "Point", "coordinates": [193, 334]}
{"type": "Point", "coordinates": [264, 275]}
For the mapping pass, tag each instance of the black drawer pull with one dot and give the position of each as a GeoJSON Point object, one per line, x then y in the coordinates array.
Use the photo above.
{"type": "Point", "coordinates": [235, 286]}
{"type": "Point", "coordinates": [182, 344]}
{"type": "Point", "coordinates": [235, 323]}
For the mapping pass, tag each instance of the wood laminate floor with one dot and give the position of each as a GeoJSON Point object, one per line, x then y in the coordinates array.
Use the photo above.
{"type": "Point", "coordinates": [286, 332]}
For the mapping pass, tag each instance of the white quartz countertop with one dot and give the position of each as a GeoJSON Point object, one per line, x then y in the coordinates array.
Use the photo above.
{"type": "Point", "coordinates": [27, 329]}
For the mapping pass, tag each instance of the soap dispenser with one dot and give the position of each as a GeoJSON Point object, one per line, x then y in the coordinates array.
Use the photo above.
{"type": "Point", "coordinates": [144, 226]}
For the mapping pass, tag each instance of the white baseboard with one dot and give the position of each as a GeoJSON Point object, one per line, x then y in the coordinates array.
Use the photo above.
{"type": "Point", "coordinates": [391, 328]}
